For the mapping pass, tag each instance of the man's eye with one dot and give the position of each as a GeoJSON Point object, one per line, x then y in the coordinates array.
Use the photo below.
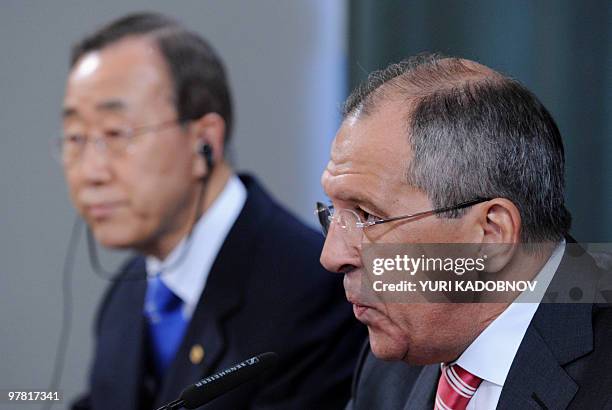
{"type": "Point", "coordinates": [75, 138]}
{"type": "Point", "coordinates": [366, 216]}
{"type": "Point", "coordinates": [116, 133]}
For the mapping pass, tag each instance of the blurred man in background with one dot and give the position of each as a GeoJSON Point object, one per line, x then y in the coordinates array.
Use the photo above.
{"type": "Point", "coordinates": [442, 150]}
{"type": "Point", "coordinates": [224, 272]}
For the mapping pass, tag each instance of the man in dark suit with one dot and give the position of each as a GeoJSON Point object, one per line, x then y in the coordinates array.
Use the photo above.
{"type": "Point", "coordinates": [225, 272]}
{"type": "Point", "coordinates": [443, 150]}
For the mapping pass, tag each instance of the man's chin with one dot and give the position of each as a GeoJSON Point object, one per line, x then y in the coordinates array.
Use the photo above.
{"type": "Point", "coordinates": [384, 348]}
{"type": "Point", "coordinates": [388, 350]}
{"type": "Point", "coordinates": [110, 237]}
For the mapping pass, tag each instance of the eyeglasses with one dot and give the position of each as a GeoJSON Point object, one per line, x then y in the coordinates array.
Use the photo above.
{"type": "Point", "coordinates": [114, 141]}
{"type": "Point", "coordinates": [350, 221]}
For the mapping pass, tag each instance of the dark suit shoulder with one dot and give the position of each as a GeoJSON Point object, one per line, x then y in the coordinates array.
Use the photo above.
{"type": "Point", "coordinates": [592, 371]}
{"type": "Point", "coordinates": [131, 274]}
{"type": "Point", "coordinates": [382, 384]}
{"type": "Point", "coordinates": [286, 252]}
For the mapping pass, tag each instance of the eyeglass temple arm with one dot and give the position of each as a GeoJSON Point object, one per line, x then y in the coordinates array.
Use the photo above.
{"type": "Point", "coordinates": [433, 211]}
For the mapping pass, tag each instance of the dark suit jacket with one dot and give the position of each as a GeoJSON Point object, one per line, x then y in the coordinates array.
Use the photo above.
{"type": "Point", "coordinates": [266, 292]}
{"type": "Point", "coordinates": [564, 360]}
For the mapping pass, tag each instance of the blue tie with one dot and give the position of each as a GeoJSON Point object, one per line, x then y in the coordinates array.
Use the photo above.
{"type": "Point", "coordinates": [166, 324]}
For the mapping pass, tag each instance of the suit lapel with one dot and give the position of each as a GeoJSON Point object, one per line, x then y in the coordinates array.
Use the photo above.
{"type": "Point", "coordinates": [423, 391]}
{"type": "Point", "coordinates": [221, 298]}
{"type": "Point", "coordinates": [206, 329]}
{"type": "Point", "coordinates": [558, 334]}
{"type": "Point", "coordinates": [123, 340]}
{"type": "Point", "coordinates": [536, 380]}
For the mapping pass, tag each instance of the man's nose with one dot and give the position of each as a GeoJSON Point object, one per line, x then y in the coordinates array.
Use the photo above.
{"type": "Point", "coordinates": [338, 254]}
{"type": "Point", "coordinates": [94, 162]}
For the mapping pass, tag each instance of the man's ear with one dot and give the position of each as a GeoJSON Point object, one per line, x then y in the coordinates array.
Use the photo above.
{"type": "Point", "coordinates": [500, 221]}
{"type": "Point", "coordinates": [207, 130]}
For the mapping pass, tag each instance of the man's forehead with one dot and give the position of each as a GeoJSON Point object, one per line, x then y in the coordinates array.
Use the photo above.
{"type": "Point", "coordinates": [374, 139]}
{"type": "Point", "coordinates": [130, 63]}
{"type": "Point", "coordinates": [369, 154]}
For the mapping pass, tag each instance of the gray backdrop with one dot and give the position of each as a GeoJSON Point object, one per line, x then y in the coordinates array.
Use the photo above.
{"type": "Point", "coordinates": [286, 68]}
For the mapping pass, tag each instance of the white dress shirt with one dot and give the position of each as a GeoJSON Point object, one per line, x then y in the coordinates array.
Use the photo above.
{"type": "Point", "coordinates": [491, 354]}
{"type": "Point", "coordinates": [187, 278]}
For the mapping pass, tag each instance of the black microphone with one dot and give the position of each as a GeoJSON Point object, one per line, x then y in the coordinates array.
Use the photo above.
{"type": "Point", "coordinates": [220, 383]}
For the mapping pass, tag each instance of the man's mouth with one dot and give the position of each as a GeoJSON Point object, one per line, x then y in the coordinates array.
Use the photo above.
{"type": "Point", "coordinates": [359, 310]}
{"type": "Point", "coordinates": [102, 210]}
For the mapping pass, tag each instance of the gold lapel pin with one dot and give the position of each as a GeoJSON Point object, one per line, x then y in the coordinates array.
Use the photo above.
{"type": "Point", "coordinates": [196, 354]}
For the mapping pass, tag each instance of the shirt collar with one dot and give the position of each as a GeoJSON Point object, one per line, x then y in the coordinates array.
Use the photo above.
{"type": "Point", "coordinates": [491, 354]}
{"type": "Point", "coordinates": [188, 278]}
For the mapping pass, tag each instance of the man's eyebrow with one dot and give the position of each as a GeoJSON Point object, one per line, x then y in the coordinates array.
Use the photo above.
{"type": "Point", "coordinates": [111, 105]}
{"type": "Point", "coordinates": [68, 112]}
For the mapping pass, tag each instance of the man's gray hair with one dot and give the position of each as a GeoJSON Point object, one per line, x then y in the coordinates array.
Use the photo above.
{"type": "Point", "coordinates": [475, 133]}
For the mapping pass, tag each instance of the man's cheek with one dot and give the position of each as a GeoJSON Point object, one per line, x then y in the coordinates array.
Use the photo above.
{"type": "Point", "coordinates": [142, 197]}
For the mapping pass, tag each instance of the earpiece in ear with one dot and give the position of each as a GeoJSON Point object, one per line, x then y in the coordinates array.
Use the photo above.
{"type": "Point", "coordinates": [206, 151]}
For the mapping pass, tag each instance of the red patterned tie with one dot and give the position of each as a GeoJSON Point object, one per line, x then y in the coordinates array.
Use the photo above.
{"type": "Point", "coordinates": [455, 388]}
